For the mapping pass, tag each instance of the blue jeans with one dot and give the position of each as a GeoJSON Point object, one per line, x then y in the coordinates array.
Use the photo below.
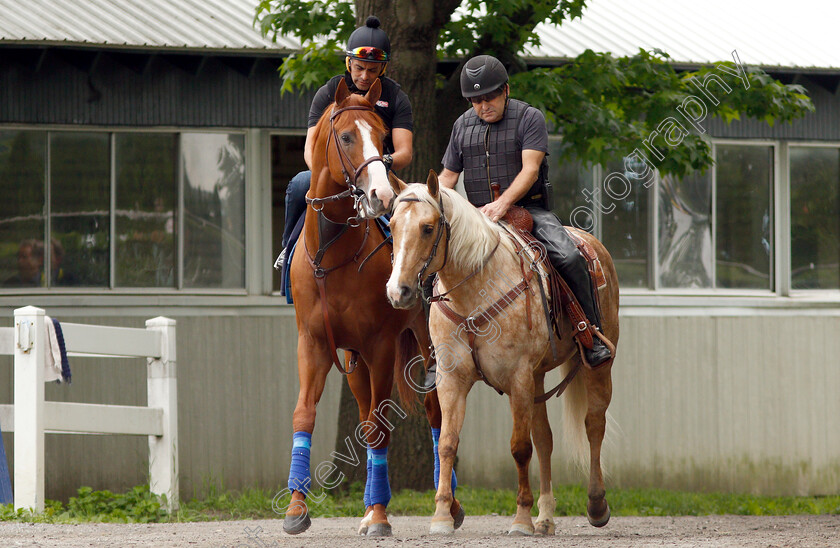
{"type": "Point", "coordinates": [295, 202]}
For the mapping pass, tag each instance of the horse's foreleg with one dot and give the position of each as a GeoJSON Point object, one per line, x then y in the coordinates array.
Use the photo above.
{"type": "Point", "coordinates": [522, 408]}
{"type": "Point", "coordinates": [313, 365]}
{"type": "Point", "coordinates": [432, 405]}
{"type": "Point", "coordinates": [359, 383]}
{"type": "Point", "coordinates": [599, 393]}
{"type": "Point", "coordinates": [377, 431]}
{"type": "Point", "coordinates": [453, 403]}
{"type": "Point", "coordinates": [544, 443]}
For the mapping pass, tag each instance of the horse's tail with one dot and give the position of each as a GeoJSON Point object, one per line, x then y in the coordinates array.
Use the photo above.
{"type": "Point", "coordinates": [407, 353]}
{"type": "Point", "coordinates": [575, 405]}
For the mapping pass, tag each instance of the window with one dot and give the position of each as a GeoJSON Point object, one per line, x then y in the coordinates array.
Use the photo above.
{"type": "Point", "coordinates": [815, 217]}
{"type": "Point", "coordinates": [743, 212]}
{"type": "Point", "coordinates": [22, 176]}
{"type": "Point", "coordinates": [122, 209]}
{"type": "Point", "coordinates": [685, 231]}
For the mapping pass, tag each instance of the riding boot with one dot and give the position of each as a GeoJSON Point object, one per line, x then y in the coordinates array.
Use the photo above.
{"type": "Point", "coordinates": [431, 371]}
{"type": "Point", "coordinates": [581, 286]}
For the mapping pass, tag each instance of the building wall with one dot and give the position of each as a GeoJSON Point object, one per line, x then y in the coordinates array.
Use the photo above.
{"type": "Point", "coordinates": [706, 402]}
{"type": "Point", "coordinates": [702, 401]}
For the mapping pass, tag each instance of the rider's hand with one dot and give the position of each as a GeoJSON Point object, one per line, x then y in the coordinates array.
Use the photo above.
{"type": "Point", "coordinates": [496, 210]}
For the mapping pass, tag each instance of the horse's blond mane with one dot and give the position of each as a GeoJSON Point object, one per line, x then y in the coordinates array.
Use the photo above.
{"type": "Point", "coordinates": [472, 237]}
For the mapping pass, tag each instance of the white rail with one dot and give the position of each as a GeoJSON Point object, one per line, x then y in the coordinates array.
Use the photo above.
{"type": "Point", "coordinates": [30, 416]}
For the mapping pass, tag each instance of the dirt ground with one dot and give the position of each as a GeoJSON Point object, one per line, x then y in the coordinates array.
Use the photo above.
{"type": "Point", "coordinates": [479, 531]}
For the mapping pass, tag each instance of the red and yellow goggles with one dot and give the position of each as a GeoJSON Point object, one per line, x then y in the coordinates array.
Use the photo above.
{"type": "Point", "coordinates": [368, 53]}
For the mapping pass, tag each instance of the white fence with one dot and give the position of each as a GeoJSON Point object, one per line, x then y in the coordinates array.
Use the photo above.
{"type": "Point", "coordinates": [31, 416]}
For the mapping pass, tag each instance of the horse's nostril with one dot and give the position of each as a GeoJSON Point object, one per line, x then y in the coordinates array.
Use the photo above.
{"type": "Point", "coordinates": [405, 291]}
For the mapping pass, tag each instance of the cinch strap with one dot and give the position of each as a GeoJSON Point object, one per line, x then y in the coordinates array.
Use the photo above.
{"type": "Point", "coordinates": [299, 479]}
{"type": "Point", "coordinates": [435, 438]}
{"type": "Point", "coordinates": [380, 489]}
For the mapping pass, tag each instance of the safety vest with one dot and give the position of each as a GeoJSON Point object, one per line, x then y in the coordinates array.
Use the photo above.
{"type": "Point", "coordinates": [492, 153]}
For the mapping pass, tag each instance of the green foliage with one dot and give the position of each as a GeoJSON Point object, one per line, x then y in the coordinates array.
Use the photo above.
{"type": "Point", "coordinates": [137, 506]}
{"type": "Point", "coordinates": [323, 28]}
{"type": "Point", "coordinates": [502, 27]}
{"type": "Point", "coordinates": [605, 107]}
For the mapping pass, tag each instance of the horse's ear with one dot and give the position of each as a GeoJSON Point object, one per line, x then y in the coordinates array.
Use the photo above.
{"type": "Point", "coordinates": [397, 184]}
{"type": "Point", "coordinates": [374, 92]}
{"type": "Point", "coordinates": [432, 184]}
{"type": "Point", "coordinates": [341, 92]}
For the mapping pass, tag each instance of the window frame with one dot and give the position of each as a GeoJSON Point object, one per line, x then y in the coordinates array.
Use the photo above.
{"type": "Point", "coordinates": [112, 289]}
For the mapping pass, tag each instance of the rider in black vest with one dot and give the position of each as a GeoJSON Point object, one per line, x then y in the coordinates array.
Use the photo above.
{"type": "Point", "coordinates": [368, 52]}
{"type": "Point", "coordinates": [505, 141]}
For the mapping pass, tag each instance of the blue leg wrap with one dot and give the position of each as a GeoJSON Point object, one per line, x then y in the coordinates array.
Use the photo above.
{"type": "Point", "coordinates": [435, 438]}
{"type": "Point", "coordinates": [368, 478]}
{"type": "Point", "coordinates": [380, 489]}
{"type": "Point", "coordinates": [299, 479]}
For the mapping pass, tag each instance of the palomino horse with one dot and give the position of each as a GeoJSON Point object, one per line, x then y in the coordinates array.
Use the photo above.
{"type": "Point", "coordinates": [437, 230]}
{"type": "Point", "coordinates": [338, 283]}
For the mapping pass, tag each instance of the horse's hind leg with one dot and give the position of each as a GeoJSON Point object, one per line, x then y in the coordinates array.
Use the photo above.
{"type": "Point", "coordinates": [544, 443]}
{"type": "Point", "coordinates": [522, 408]}
{"type": "Point", "coordinates": [599, 393]}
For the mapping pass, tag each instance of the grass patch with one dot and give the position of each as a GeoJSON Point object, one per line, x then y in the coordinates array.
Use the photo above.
{"type": "Point", "coordinates": [140, 506]}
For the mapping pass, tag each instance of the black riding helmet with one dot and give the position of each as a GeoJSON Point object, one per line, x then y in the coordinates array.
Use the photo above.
{"type": "Point", "coordinates": [482, 74]}
{"type": "Point", "coordinates": [369, 43]}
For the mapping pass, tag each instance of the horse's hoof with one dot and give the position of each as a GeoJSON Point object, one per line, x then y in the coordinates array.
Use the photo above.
{"type": "Point", "coordinates": [379, 530]}
{"type": "Point", "coordinates": [294, 525]}
{"type": "Point", "coordinates": [545, 527]}
{"type": "Point", "coordinates": [459, 517]}
{"type": "Point", "coordinates": [600, 522]}
{"type": "Point", "coordinates": [363, 526]}
{"type": "Point", "coordinates": [521, 530]}
{"type": "Point", "coordinates": [442, 527]}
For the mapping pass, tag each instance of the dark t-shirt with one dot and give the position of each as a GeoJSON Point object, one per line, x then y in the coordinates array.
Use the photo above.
{"type": "Point", "coordinates": [532, 133]}
{"type": "Point", "coordinates": [393, 106]}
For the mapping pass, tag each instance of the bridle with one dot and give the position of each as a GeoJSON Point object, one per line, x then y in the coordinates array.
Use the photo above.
{"type": "Point", "coordinates": [350, 175]}
{"type": "Point", "coordinates": [442, 226]}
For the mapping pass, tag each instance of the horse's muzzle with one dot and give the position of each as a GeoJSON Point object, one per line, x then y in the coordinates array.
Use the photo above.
{"type": "Point", "coordinates": [403, 297]}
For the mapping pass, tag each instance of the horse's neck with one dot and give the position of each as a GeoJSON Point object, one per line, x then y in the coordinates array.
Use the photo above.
{"type": "Point", "coordinates": [499, 274]}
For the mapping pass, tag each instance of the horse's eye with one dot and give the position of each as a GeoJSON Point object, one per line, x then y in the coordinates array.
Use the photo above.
{"type": "Point", "coordinates": [428, 229]}
{"type": "Point", "coordinates": [345, 138]}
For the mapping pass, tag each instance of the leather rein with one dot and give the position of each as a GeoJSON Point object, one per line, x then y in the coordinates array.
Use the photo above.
{"type": "Point", "coordinates": [472, 324]}
{"type": "Point", "coordinates": [329, 231]}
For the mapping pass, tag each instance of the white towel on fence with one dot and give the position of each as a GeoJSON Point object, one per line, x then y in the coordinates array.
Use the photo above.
{"type": "Point", "coordinates": [52, 354]}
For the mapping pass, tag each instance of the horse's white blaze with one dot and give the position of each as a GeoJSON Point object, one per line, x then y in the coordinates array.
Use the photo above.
{"type": "Point", "coordinates": [377, 175]}
{"type": "Point", "coordinates": [392, 289]}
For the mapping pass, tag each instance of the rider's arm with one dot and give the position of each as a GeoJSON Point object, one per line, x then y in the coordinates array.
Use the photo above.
{"type": "Point", "coordinates": [403, 140]}
{"type": "Point", "coordinates": [308, 146]}
{"type": "Point", "coordinates": [448, 178]}
{"type": "Point", "coordinates": [531, 160]}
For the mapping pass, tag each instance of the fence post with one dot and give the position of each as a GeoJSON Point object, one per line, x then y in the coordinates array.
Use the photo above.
{"type": "Point", "coordinates": [162, 393]}
{"type": "Point", "coordinates": [30, 347]}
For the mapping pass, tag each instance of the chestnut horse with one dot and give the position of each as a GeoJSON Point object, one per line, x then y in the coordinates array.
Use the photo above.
{"type": "Point", "coordinates": [338, 285]}
{"type": "Point", "coordinates": [507, 342]}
